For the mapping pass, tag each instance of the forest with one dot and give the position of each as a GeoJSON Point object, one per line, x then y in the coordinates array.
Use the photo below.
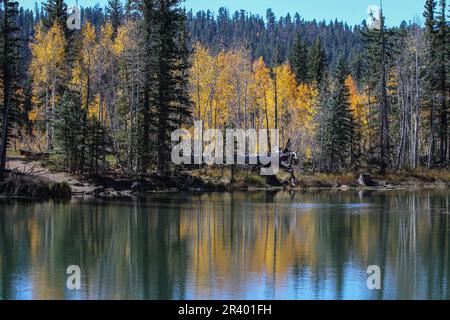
{"type": "Point", "coordinates": [107, 97]}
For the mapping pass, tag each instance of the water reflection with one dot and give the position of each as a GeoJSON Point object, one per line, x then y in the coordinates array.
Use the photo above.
{"type": "Point", "coordinates": [261, 245]}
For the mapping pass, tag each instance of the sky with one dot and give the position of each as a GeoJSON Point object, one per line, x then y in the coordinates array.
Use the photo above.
{"type": "Point", "coordinates": [350, 11]}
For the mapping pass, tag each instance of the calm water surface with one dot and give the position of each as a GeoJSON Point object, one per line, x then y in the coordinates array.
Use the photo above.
{"type": "Point", "coordinates": [260, 245]}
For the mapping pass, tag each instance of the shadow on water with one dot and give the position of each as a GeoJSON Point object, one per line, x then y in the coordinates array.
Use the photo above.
{"type": "Point", "coordinates": [252, 245]}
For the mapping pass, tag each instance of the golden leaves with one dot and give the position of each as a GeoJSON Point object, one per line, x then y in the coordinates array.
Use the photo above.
{"type": "Point", "coordinates": [47, 65]}
{"type": "Point", "coordinates": [228, 89]}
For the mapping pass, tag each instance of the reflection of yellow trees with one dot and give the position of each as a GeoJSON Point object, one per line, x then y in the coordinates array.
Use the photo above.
{"type": "Point", "coordinates": [278, 239]}
{"type": "Point", "coordinates": [167, 247]}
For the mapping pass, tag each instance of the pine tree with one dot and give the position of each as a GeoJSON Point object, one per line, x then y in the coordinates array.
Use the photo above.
{"type": "Point", "coordinates": [271, 20]}
{"type": "Point", "coordinates": [9, 61]}
{"type": "Point", "coordinates": [316, 61]}
{"type": "Point", "coordinates": [170, 96]}
{"type": "Point", "coordinates": [324, 119]}
{"type": "Point", "coordinates": [166, 102]}
{"type": "Point", "coordinates": [342, 122]}
{"type": "Point", "coordinates": [69, 131]}
{"type": "Point", "coordinates": [37, 16]}
{"type": "Point", "coordinates": [442, 55]}
{"type": "Point", "coordinates": [147, 113]}
{"type": "Point", "coordinates": [299, 61]}
{"type": "Point", "coordinates": [430, 30]}
{"type": "Point", "coordinates": [378, 55]}
{"type": "Point", "coordinates": [56, 12]}
{"type": "Point", "coordinates": [114, 11]}
{"type": "Point", "coordinates": [96, 142]}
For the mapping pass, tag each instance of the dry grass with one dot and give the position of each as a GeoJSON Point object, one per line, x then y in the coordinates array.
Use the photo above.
{"type": "Point", "coordinates": [403, 178]}
{"type": "Point", "coordinates": [18, 184]}
{"type": "Point", "coordinates": [242, 178]}
{"type": "Point", "coordinates": [322, 180]}
{"type": "Point", "coordinates": [412, 178]}
{"type": "Point", "coordinates": [418, 176]}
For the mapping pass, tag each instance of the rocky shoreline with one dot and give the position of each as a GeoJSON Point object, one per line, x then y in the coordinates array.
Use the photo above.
{"type": "Point", "coordinates": [19, 185]}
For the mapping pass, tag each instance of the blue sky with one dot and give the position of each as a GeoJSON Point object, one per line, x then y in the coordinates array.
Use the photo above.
{"type": "Point", "coordinates": [350, 11]}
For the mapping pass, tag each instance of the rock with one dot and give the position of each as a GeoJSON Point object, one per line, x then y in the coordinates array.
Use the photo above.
{"type": "Point", "coordinates": [111, 193]}
{"type": "Point", "coordinates": [127, 194]}
{"type": "Point", "coordinates": [98, 190]}
{"type": "Point", "coordinates": [367, 181]}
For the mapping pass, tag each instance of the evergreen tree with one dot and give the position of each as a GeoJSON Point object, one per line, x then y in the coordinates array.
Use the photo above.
{"type": "Point", "coordinates": [341, 125]}
{"type": "Point", "coordinates": [96, 142]}
{"type": "Point", "coordinates": [166, 102]}
{"type": "Point", "coordinates": [69, 131]}
{"type": "Point", "coordinates": [56, 12]}
{"type": "Point", "coordinates": [442, 55]}
{"type": "Point", "coordinates": [171, 97]}
{"type": "Point", "coordinates": [324, 120]}
{"type": "Point", "coordinates": [37, 16]}
{"type": "Point", "coordinates": [299, 61]}
{"type": "Point", "coordinates": [430, 30]}
{"type": "Point", "coordinates": [9, 66]}
{"type": "Point", "coordinates": [114, 11]}
{"type": "Point", "coordinates": [378, 53]}
{"type": "Point", "coordinates": [147, 114]}
{"type": "Point", "coordinates": [271, 20]}
{"type": "Point", "coordinates": [316, 61]}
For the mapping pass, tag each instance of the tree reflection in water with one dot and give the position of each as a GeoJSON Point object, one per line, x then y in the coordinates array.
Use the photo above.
{"type": "Point", "coordinates": [262, 245]}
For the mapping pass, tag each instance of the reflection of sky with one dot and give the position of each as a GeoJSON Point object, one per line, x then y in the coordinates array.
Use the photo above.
{"type": "Point", "coordinates": [307, 286]}
{"type": "Point", "coordinates": [23, 287]}
{"type": "Point", "coordinates": [303, 284]}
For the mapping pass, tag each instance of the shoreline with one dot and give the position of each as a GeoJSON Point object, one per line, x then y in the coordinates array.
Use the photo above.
{"type": "Point", "coordinates": [30, 179]}
{"type": "Point", "coordinates": [130, 196]}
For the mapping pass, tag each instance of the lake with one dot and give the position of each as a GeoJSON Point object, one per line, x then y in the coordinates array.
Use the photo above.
{"type": "Point", "coordinates": [244, 245]}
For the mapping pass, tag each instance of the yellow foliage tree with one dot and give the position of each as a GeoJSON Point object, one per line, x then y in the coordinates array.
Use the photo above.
{"type": "Point", "coordinates": [263, 84]}
{"type": "Point", "coordinates": [83, 68]}
{"type": "Point", "coordinates": [203, 82]}
{"type": "Point", "coordinates": [47, 69]}
{"type": "Point", "coordinates": [360, 111]}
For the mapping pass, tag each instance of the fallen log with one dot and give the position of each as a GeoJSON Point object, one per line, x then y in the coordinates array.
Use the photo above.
{"type": "Point", "coordinates": [34, 155]}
